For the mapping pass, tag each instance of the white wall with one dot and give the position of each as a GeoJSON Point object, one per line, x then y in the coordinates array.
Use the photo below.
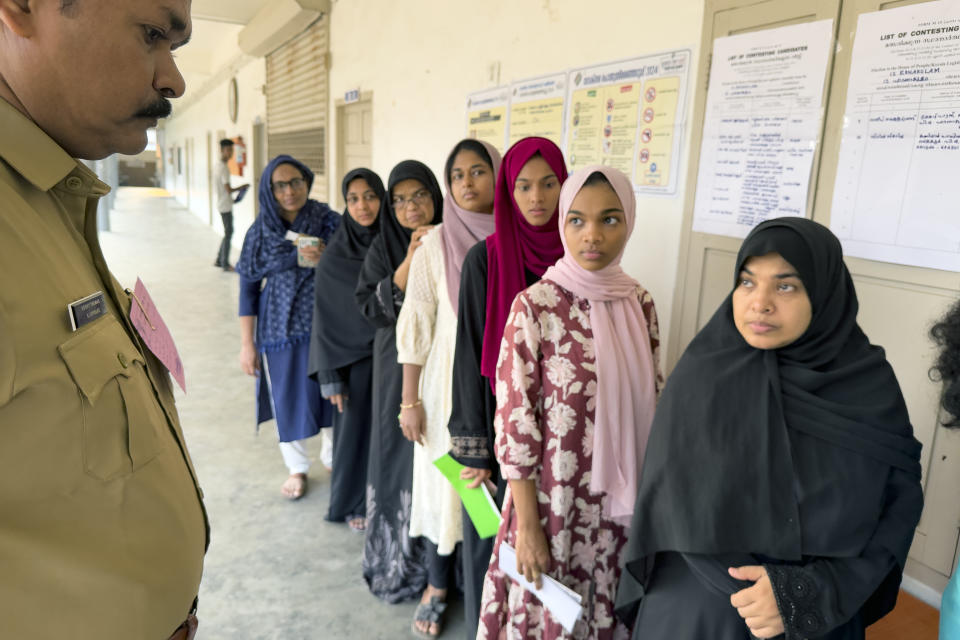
{"type": "Point", "coordinates": [421, 58]}
{"type": "Point", "coordinates": [207, 112]}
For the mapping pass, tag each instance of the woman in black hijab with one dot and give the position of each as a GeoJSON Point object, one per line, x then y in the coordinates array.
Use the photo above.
{"type": "Point", "coordinates": [781, 484]}
{"type": "Point", "coordinates": [341, 345]}
{"type": "Point", "coordinates": [394, 565]}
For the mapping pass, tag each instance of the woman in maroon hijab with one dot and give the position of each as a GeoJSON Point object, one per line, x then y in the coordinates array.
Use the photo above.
{"type": "Point", "coordinates": [526, 242]}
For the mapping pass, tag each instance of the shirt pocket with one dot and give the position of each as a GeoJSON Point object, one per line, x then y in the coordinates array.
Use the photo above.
{"type": "Point", "coordinates": [121, 419]}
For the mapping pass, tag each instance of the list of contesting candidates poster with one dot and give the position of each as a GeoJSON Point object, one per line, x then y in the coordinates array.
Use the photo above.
{"type": "Point", "coordinates": [897, 192]}
{"type": "Point", "coordinates": [762, 126]}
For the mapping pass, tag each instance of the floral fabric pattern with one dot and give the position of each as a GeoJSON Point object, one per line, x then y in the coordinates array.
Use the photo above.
{"type": "Point", "coordinates": [546, 401]}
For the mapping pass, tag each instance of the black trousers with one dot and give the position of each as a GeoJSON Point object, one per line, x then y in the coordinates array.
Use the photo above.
{"type": "Point", "coordinates": [351, 444]}
{"type": "Point", "coordinates": [223, 256]}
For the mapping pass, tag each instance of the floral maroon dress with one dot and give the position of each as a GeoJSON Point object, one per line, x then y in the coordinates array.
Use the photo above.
{"type": "Point", "coordinates": [546, 399]}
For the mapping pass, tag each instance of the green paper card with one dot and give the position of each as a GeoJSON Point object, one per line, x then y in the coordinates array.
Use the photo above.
{"type": "Point", "coordinates": [478, 502]}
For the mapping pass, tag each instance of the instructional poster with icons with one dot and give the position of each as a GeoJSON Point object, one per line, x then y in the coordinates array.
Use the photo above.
{"type": "Point", "coordinates": [629, 115]}
{"type": "Point", "coordinates": [487, 116]}
{"type": "Point", "coordinates": [536, 108]}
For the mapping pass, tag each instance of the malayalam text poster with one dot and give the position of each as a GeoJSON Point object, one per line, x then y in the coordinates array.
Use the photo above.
{"type": "Point", "coordinates": [762, 126]}
{"type": "Point", "coordinates": [896, 190]}
{"type": "Point", "coordinates": [536, 108]}
{"type": "Point", "coordinates": [487, 116]}
{"type": "Point", "coordinates": [629, 115]}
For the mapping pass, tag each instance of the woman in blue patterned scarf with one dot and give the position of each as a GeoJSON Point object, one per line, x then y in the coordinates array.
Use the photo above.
{"type": "Point", "coordinates": [276, 310]}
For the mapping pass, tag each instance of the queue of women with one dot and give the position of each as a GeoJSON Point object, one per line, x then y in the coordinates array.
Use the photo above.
{"type": "Point", "coordinates": [771, 486]}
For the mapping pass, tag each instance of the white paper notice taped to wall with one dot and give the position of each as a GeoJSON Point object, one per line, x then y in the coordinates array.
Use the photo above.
{"type": "Point", "coordinates": [896, 194]}
{"type": "Point", "coordinates": [762, 126]}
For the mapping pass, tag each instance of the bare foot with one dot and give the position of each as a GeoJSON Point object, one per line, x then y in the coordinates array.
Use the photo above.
{"type": "Point", "coordinates": [424, 626]}
{"type": "Point", "coordinates": [295, 486]}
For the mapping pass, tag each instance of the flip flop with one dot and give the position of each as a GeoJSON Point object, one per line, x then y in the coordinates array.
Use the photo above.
{"type": "Point", "coordinates": [431, 612]}
{"type": "Point", "coordinates": [357, 524]}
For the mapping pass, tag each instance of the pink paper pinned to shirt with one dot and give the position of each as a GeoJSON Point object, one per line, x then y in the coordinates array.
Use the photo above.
{"type": "Point", "coordinates": [154, 333]}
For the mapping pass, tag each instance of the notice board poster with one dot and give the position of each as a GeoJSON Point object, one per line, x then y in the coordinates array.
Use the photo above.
{"type": "Point", "coordinates": [487, 116]}
{"type": "Point", "coordinates": [762, 126]}
{"type": "Point", "coordinates": [536, 108]}
{"type": "Point", "coordinates": [897, 188]}
{"type": "Point", "coordinates": [629, 115]}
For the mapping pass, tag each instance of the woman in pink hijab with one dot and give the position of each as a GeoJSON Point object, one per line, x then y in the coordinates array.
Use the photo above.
{"type": "Point", "coordinates": [426, 336]}
{"type": "Point", "coordinates": [571, 427]}
{"type": "Point", "coordinates": [525, 243]}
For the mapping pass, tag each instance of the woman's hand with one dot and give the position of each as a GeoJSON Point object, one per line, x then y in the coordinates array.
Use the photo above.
{"type": "Point", "coordinates": [475, 474]}
{"type": "Point", "coordinates": [339, 400]}
{"type": "Point", "coordinates": [757, 605]}
{"type": "Point", "coordinates": [413, 421]}
{"type": "Point", "coordinates": [416, 239]}
{"type": "Point", "coordinates": [249, 362]}
{"type": "Point", "coordinates": [312, 253]}
{"type": "Point", "coordinates": [533, 553]}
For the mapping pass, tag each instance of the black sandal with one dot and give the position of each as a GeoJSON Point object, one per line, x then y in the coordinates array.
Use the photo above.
{"type": "Point", "coordinates": [431, 612]}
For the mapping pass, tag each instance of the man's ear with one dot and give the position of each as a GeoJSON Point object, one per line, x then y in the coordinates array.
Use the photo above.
{"type": "Point", "coordinates": [18, 16]}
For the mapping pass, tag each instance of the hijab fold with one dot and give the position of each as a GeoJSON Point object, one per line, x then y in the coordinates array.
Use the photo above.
{"type": "Point", "coordinates": [626, 373]}
{"type": "Point", "coordinates": [462, 229]}
{"type": "Point", "coordinates": [341, 335]}
{"type": "Point", "coordinates": [516, 245]}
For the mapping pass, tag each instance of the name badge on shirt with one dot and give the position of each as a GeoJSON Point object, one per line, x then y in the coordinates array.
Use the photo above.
{"type": "Point", "coordinates": [86, 310]}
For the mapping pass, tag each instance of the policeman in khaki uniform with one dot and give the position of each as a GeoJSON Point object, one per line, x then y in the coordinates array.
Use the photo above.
{"type": "Point", "coordinates": [102, 525]}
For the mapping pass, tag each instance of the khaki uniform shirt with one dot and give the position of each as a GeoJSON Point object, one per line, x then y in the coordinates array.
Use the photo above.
{"type": "Point", "coordinates": [102, 525]}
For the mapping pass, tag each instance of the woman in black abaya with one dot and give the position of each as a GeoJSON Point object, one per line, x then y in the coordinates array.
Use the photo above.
{"type": "Point", "coordinates": [341, 345]}
{"type": "Point", "coordinates": [394, 565]}
{"type": "Point", "coordinates": [781, 484]}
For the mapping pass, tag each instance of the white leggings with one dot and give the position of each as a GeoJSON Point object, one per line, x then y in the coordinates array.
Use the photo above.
{"type": "Point", "coordinates": [295, 453]}
{"type": "Point", "coordinates": [295, 456]}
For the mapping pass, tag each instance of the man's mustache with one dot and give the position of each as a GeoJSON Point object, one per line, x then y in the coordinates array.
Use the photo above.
{"type": "Point", "coordinates": [159, 109]}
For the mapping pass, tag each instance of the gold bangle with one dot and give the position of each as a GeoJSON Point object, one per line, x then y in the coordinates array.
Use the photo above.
{"type": "Point", "coordinates": [412, 405]}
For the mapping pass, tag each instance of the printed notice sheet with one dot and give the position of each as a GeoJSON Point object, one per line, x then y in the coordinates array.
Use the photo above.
{"type": "Point", "coordinates": [629, 115]}
{"type": "Point", "coordinates": [536, 108]}
{"type": "Point", "coordinates": [762, 126]}
{"type": "Point", "coordinates": [897, 191]}
{"type": "Point", "coordinates": [487, 116]}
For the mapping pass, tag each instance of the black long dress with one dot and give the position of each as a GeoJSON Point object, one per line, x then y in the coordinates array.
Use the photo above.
{"type": "Point", "coordinates": [471, 419]}
{"type": "Point", "coordinates": [341, 354]}
{"type": "Point", "coordinates": [394, 564]}
{"type": "Point", "coordinates": [800, 459]}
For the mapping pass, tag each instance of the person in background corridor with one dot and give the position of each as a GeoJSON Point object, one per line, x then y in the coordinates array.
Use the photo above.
{"type": "Point", "coordinates": [571, 424]}
{"type": "Point", "coordinates": [341, 346]}
{"type": "Point", "coordinates": [221, 178]}
{"type": "Point", "coordinates": [781, 486]}
{"type": "Point", "coordinates": [526, 241]}
{"type": "Point", "coordinates": [394, 564]}
{"type": "Point", "coordinates": [276, 311]}
{"type": "Point", "coordinates": [103, 529]}
{"type": "Point", "coordinates": [426, 337]}
{"type": "Point", "coordinates": [946, 334]}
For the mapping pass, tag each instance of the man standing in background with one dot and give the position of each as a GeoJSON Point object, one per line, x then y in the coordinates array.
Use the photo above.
{"type": "Point", "coordinates": [225, 202]}
{"type": "Point", "coordinates": [102, 525]}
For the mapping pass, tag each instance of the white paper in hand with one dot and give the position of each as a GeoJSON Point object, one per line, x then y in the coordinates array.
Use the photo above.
{"type": "Point", "coordinates": [562, 601]}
